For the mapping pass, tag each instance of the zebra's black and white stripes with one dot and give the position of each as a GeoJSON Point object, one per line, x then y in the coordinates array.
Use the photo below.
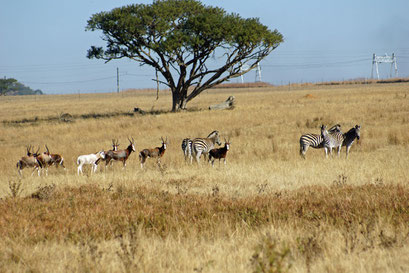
{"type": "Point", "coordinates": [349, 137]}
{"type": "Point", "coordinates": [187, 148]}
{"type": "Point", "coordinates": [331, 141]}
{"type": "Point", "coordinates": [204, 145]}
{"type": "Point", "coordinates": [315, 140]}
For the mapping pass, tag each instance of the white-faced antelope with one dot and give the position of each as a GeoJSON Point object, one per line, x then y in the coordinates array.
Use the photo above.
{"type": "Point", "coordinates": [121, 155]}
{"type": "Point", "coordinates": [47, 159]}
{"type": "Point", "coordinates": [90, 159]}
{"type": "Point", "coordinates": [157, 152]}
{"type": "Point", "coordinates": [115, 146]}
{"type": "Point", "coordinates": [29, 161]}
{"type": "Point", "coordinates": [219, 153]}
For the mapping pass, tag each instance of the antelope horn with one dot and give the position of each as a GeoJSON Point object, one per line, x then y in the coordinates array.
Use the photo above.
{"type": "Point", "coordinates": [48, 151]}
{"type": "Point", "coordinates": [37, 150]}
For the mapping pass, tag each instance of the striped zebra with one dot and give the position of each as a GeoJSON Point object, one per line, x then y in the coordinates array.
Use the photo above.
{"type": "Point", "coordinates": [350, 136]}
{"type": "Point", "coordinates": [314, 140]}
{"type": "Point", "coordinates": [204, 145]}
{"type": "Point", "coordinates": [331, 141]}
{"type": "Point", "coordinates": [187, 148]}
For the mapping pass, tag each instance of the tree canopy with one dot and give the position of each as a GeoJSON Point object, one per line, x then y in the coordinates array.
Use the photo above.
{"type": "Point", "coordinates": [181, 39]}
{"type": "Point", "coordinates": [10, 86]}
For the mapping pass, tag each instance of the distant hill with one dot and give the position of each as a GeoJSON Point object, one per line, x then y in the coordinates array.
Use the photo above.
{"type": "Point", "coordinates": [11, 87]}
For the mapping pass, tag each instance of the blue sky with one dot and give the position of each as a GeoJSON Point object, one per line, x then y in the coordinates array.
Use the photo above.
{"type": "Point", "coordinates": [43, 43]}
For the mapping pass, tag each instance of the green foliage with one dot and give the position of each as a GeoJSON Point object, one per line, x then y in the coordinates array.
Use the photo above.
{"type": "Point", "coordinates": [11, 86]}
{"type": "Point", "coordinates": [177, 38]}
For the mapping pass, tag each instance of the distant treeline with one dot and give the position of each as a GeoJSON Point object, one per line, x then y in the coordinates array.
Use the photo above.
{"type": "Point", "coordinates": [11, 87]}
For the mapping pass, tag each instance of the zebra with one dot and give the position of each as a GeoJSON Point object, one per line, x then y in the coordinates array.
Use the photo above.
{"type": "Point", "coordinates": [331, 140]}
{"type": "Point", "coordinates": [315, 141]}
{"type": "Point", "coordinates": [187, 148]}
{"type": "Point", "coordinates": [204, 145]}
{"type": "Point", "coordinates": [350, 136]}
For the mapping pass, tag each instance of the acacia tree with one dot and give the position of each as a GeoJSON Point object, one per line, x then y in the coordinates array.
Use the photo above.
{"type": "Point", "coordinates": [181, 40]}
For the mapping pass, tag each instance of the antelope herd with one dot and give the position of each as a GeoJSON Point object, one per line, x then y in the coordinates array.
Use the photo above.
{"type": "Point", "coordinates": [328, 139]}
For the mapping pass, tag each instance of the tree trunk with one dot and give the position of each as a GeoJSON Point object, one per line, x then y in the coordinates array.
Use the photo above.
{"type": "Point", "coordinates": [178, 101]}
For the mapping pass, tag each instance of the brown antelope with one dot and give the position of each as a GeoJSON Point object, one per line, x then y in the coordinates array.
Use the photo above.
{"type": "Point", "coordinates": [219, 153]}
{"type": "Point", "coordinates": [29, 161]}
{"type": "Point", "coordinates": [157, 152]}
{"type": "Point", "coordinates": [46, 159]}
{"type": "Point", "coordinates": [121, 155]}
{"type": "Point", "coordinates": [115, 146]}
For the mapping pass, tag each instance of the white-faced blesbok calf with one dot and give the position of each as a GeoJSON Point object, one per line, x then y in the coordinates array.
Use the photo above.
{"type": "Point", "coordinates": [90, 159]}
{"type": "Point", "coordinates": [156, 152]}
{"type": "Point", "coordinates": [29, 161]}
{"type": "Point", "coordinates": [219, 153]}
{"type": "Point", "coordinates": [121, 155]}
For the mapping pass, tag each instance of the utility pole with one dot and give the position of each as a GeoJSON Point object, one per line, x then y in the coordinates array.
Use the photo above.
{"type": "Point", "coordinates": [117, 79]}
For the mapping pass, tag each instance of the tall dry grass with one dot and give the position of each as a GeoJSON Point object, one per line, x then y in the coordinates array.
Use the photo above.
{"type": "Point", "coordinates": [266, 211]}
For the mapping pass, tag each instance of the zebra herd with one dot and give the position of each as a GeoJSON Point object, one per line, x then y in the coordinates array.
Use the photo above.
{"type": "Point", "coordinates": [329, 139]}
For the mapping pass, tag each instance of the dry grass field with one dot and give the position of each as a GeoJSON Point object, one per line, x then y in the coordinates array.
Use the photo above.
{"type": "Point", "coordinates": [268, 210]}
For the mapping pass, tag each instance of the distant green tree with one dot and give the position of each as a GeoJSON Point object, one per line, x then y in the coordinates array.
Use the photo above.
{"type": "Point", "coordinates": [179, 38]}
{"type": "Point", "coordinates": [12, 86]}
{"type": "Point", "coordinates": [6, 85]}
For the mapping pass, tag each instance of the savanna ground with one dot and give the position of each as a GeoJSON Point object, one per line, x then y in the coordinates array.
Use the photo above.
{"type": "Point", "coordinates": [268, 210]}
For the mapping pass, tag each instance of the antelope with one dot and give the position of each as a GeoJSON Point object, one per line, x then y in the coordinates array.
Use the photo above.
{"type": "Point", "coordinates": [121, 155]}
{"type": "Point", "coordinates": [115, 145]}
{"type": "Point", "coordinates": [48, 159]}
{"type": "Point", "coordinates": [90, 159]}
{"type": "Point", "coordinates": [29, 161]}
{"type": "Point", "coordinates": [45, 160]}
{"type": "Point", "coordinates": [219, 153]}
{"type": "Point", "coordinates": [157, 152]}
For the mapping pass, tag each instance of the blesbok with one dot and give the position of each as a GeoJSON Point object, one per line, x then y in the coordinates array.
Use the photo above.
{"type": "Point", "coordinates": [46, 159]}
{"type": "Point", "coordinates": [156, 152]}
{"type": "Point", "coordinates": [219, 153]}
{"type": "Point", "coordinates": [115, 146]}
{"type": "Point", "coordinates": [29, 161]}
{"type": "Point", "coordinates": [90, 159]}
{"type": "Point", "coordinates": [121, 155]}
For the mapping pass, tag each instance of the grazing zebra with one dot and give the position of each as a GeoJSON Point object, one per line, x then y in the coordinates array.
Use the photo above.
{"type": "Point", "coordinates": [331, 140]}
{"type": "Point", "coordinates": [204, 145]}
{"type": "Point", "coordinates": [187, 148]}
{"type": "Point", "coordinates": [315, 141]}
{"type": "Point", "coordinates": [350, 136]}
